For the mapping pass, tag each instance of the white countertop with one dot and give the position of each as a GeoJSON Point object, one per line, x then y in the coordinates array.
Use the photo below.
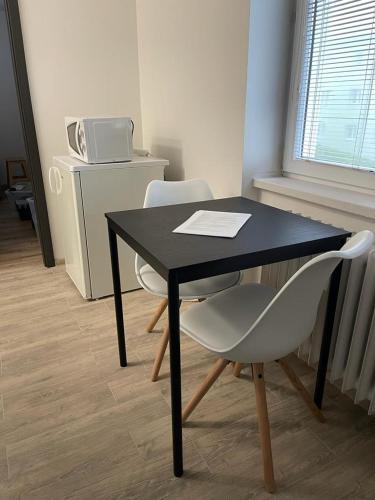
{"type": "Point", "coordinates": [74, 165]}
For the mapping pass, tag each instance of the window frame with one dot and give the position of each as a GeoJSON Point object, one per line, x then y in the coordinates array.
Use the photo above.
{"type": "Point", "coordinates": [341, 175]}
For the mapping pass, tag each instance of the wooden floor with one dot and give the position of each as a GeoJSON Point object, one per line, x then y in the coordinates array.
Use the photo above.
{"type": "Point", "coordinates": [17, 237]}
{"type": "Point", "coordinates": [74, 425]}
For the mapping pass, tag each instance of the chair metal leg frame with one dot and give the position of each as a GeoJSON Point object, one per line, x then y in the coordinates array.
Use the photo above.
{"type": "Point", "coordinates": [160, 354]}
{"type": "Point", "coordinates": [211, 377]}
{"type": "Point", "coordinates": [264, 426]}
{"type": "Point", "coordinates": [163, 305]}
{"type": "Point", "coordinates": [301, 389]}
{"type": "Point", "coordinates": [237, 369]}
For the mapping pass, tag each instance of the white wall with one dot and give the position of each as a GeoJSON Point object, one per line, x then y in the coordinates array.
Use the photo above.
{"type": "Point", "coordinates": [193, 59]}
{"type": "Point", "coordinates": [81, 59]}
{"type": "Point", "coordinates": [209, 104]}
{"type": "Point", "coordinates": [11, 137]}
{"type": "Point", "coordinates": [270, 43]}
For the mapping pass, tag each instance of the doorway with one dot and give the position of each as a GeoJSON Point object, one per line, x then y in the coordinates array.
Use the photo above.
{"type": "Point", "coordinates": [24, 222]}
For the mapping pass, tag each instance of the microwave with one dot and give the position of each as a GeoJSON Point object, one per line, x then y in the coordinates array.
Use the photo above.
{"type": "Point", "coordinates": [100, 140]}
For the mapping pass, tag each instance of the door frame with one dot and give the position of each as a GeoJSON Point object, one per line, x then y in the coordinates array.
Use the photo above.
{"type": "Point", "coordinates": [28, 126]}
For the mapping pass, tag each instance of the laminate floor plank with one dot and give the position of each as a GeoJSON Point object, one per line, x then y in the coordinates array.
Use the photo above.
{"type": "Point", "coordinates": [74, 425]}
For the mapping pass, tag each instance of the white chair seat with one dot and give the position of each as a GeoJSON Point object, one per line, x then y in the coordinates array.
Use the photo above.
{"type": "Point", "coordinates": [221, 321]}
{"type": "Point", "coordinates": [154, 283]}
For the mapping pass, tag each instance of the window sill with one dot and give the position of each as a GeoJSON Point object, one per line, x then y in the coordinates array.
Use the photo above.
{"type": "Point", "coordinates": [333, 197]}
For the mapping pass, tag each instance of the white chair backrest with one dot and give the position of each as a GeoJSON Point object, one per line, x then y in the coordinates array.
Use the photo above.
{"type": "Point", "coordinates": [292, 312]}
{"type": "Point", "coordinates": [161, 193]}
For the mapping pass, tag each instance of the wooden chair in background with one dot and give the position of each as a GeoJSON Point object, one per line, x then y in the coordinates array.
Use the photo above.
{"type": "Point", "coordinates": [17, 170]}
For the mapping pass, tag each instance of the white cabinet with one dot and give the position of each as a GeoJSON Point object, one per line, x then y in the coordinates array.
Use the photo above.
{"type": "Point", "coordinates": [87, 193]}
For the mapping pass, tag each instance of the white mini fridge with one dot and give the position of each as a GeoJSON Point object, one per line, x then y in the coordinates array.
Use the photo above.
{"type": "Point", "coordinates": [85, 192]}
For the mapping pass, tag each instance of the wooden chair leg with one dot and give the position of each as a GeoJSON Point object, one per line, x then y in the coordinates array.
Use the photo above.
{"type": "Point", "coordinates": [157, 315]}
{"type": "Point", "coordinates": [212, 375]}
{"type": "Point", "coordinates": [264, 426]}
{"type": "Point", "coordinates": [301, 389]}
{"type": "Point", "coordinates": [237, 369]}
{"type": "Point", "coordinates": [160, 354]}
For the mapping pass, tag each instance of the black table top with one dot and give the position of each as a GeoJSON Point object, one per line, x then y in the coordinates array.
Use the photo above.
{"type": "Point", "coordinates": [270, 235]}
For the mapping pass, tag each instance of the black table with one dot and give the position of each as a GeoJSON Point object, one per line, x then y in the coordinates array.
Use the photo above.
{"type": "Point", "coordinates": [270, 235]}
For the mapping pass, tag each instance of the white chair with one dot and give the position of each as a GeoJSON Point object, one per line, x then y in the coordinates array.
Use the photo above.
{"type": "Point", "coordinates": [255, 324]}
{"type": "Point", "coordinates": [161, 193]}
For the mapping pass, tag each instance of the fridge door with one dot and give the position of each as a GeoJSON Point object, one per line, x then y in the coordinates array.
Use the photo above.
{"type": "Point", "coordinates": [111, 190]}
{"type": "Point", "coordinates": [76, 262]}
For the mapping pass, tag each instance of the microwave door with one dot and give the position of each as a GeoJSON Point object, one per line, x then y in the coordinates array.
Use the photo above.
{"type": "Point", "coordinates": [72, 136]}
{"type": "Point", "coordinates": [111, 140]}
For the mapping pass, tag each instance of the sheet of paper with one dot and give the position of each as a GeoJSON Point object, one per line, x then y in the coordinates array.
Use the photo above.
{"type": "Point", "coordinates": [209, 223]}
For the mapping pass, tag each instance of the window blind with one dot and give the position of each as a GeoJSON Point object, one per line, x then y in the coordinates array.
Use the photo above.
{"type": "Point", "coordinates": [336, 95]}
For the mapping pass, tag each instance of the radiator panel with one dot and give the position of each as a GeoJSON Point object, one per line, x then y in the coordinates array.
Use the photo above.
{"type": "Point", "coordinates": [348, 317]}
{"type": "Point", "coordinates": [352, 356]}
{"type": "Point", "coordinates": [362, 327]}
{"type": "Point", "coordinates": [366, 382]}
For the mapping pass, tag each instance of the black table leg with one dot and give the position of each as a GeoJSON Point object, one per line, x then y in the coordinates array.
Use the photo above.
{"type": "Point", "coordinates": [175, 373]}
{"type": "Point", "coordinates": [117, 296]}
{"type": "Point", "coordinates": [327, 335]}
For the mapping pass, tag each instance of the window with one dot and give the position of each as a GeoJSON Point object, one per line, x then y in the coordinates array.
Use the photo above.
{"type": "Point", "coordinates": [322, 129]}
{"type": "Point", "coordinates": [355, 96]}
{"type": "Point", "coordinates": [326, 93]}
{"type": "Point", "coordinates": [331, 119]}
{"type": "Point", "coordinates": [350, 132]}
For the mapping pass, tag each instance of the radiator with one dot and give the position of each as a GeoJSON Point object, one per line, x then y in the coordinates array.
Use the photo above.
{"type": "Point", "coordinates": [352, 355]}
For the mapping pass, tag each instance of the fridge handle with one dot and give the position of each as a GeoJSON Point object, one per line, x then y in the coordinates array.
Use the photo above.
{"type": "Point", "coordinates": [58, 178]}
{"type": "Point", "coordinates": [52, 169]}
